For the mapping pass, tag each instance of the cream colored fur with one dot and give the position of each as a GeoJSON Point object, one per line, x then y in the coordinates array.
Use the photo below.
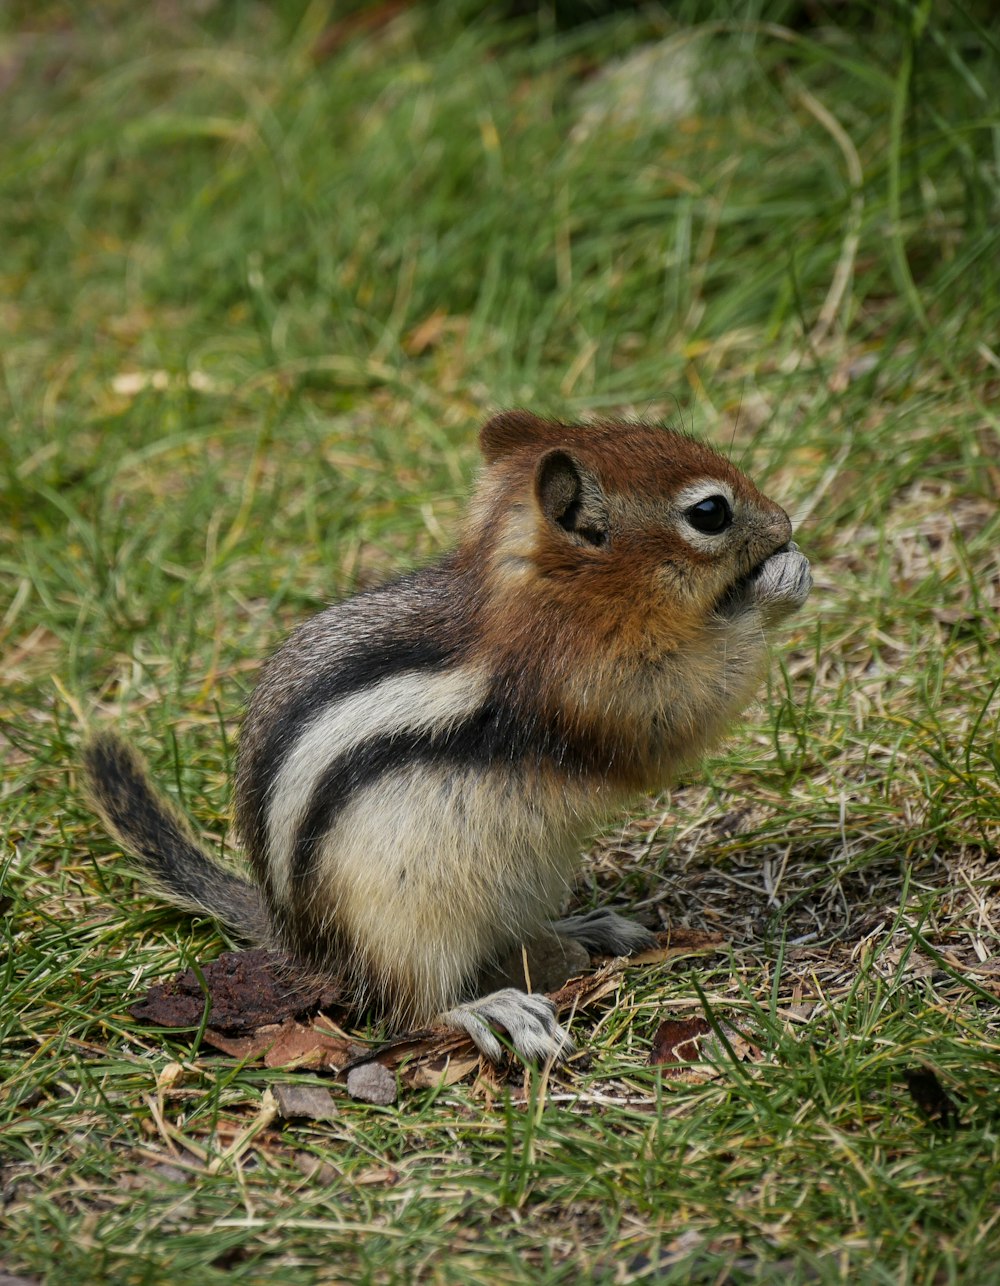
{"type": "Point", "coordinates": [476, 864]}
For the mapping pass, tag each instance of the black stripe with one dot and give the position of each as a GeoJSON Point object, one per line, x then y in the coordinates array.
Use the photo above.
{"type": "Point", "coordinates": [381, 660]}
{"type": "Point", "coordinates": [302, 693]}
{"type": "Point", "coordinates": [495, 735]}
{"type": "Point", "coordinates": [354, 675]}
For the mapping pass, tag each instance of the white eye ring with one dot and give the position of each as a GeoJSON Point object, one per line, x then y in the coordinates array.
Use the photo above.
{"type": "Point", "coordinates": [702, 493]}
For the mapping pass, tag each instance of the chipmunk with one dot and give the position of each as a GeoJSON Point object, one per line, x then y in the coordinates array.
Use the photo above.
{"type": "Point", "coordinates": [421, 765]}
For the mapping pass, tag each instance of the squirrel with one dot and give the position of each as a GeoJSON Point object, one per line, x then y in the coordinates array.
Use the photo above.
{"type": "Point", "coordinates": [421, 765]}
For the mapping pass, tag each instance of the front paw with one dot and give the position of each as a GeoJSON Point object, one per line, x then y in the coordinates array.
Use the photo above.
{"type": "Point", "coordinates": [782, 585]}
{"type": "Point", "coordinates": [529, 1021]}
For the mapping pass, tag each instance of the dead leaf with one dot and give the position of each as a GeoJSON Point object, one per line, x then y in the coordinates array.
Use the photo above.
{"type": "Point", "coordinates": [288, 1044]}
{"type": "Point", "coordinates": [246, 990]}
{"type": "Point", "coordinates": [418, 1044]}
{"type": "Point", "coordinates": [437, 1072]}
{"type": "Point", "coordinates": [245, 1048]}
{"type": "Point", "coordinates": [689, 1051]}
{"type": "Point", "coordinates": [260, 1013]}
{"type": "Point", "coordinates": [299, 1045]}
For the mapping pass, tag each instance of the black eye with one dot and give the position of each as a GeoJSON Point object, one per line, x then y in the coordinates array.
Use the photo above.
{"type": "Point", "coordinates": [711, 515]}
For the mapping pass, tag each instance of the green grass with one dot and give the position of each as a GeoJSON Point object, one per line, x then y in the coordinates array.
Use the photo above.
{"type": "Point", "coordinates": [253, 305]}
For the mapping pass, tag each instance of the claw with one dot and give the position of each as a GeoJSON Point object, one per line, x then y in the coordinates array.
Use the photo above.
{"type": "Point", "coordinates": [529, 1021]}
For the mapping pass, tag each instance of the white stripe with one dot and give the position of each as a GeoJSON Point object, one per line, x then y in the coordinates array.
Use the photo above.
{"type": "Point", "coordinates": [414, 701]}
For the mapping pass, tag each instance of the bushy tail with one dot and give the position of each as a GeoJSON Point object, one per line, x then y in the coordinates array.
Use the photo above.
{"type": "Point", "coordinates": [148, 826]}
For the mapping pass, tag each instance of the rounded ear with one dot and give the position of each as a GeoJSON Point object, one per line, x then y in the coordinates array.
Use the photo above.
{"type": "Point", "coordinates": [571, 498]}
{"type": "Point", "coordinates": [509, 430]}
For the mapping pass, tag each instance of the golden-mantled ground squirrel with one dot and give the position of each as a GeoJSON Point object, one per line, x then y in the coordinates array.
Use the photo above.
{"type": "Point", "coordinates": [420, 766]}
